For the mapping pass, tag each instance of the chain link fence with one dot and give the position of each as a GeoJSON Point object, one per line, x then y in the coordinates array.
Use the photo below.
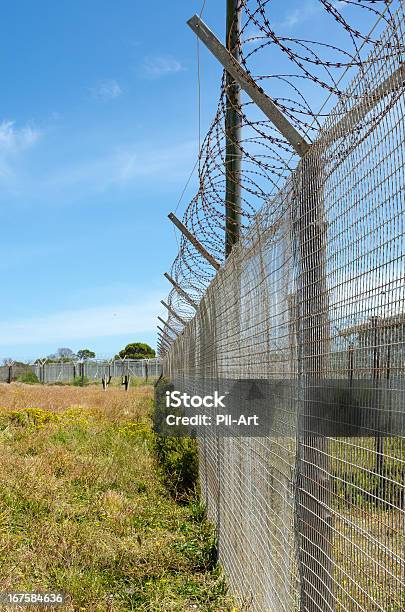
{"type": "Point", "coordinates": [311, 517]}
{"type": "Point", "coordinates": [93, 370]}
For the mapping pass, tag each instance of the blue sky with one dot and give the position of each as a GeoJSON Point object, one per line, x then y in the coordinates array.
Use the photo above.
{"type": "Point", "coordinates": [98, 134]}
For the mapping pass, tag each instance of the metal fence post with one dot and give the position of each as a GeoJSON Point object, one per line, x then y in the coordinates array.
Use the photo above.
{"type": "Point", "coordinates": [313, 495]}
{"type": "Point", "coordinates": [378, 438]}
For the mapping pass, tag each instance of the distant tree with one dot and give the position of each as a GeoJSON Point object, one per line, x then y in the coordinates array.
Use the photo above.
{"type": "Point", "coordinates": [63, 355]}
{"type": "Point", "coordinates": [8, 361]}
{"type": "Point", "coordinates": [86, 354]}
{"type": "Point", "coordinates": [137, 350]}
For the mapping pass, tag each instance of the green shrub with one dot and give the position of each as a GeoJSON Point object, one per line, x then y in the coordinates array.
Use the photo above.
{"type": "Point", "coordinates": [80, 381]}
{"type": "Point", "coordinates": [178, 459]}
{"type": "Point", "coordinates": [29, 378]}
{"type": "Point", "coordinates": [177, 456]}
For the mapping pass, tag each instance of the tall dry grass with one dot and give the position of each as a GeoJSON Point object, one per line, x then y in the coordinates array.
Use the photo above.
{"type": "Point", "coordinates": [83, 509]}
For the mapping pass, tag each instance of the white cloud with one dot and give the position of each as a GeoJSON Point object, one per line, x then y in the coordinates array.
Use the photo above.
{"type": "Point", "coordinates": [122, 167]}
{"type": "Point", "coordinates": [299, 15]}
{"type": "Point", "coordinates": [13, 143]}
{"type": "Point", "coordinates": [254, 37]}
{"type": "Point", "coordinates": [339, 4]}
{"type": "Point", "coordinates": [106, 90]}
{"type": "Point", "coordinates": [70, 325]}
{"type": "Point", "coordinates": [160, 65]}
{"type": "Point", "coordinates": [12, 257]}
{"type": "Point", "coordinates": [118, 168]}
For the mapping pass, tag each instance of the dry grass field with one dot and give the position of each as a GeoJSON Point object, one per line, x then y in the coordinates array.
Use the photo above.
{"type": "Point", "coordinates": [83, 509]}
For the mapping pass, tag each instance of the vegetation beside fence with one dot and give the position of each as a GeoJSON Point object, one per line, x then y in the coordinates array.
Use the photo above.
{"type": "Point", "coordinates": [83, 508]}
{"type": "Point", "coordinates": [177, 456]}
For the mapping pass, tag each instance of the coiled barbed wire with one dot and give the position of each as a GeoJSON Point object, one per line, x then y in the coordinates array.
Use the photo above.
{"type": "Point", "coordinates": [314, 69]}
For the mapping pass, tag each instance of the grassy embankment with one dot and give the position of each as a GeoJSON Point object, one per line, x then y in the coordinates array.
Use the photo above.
{"type": "Point", "coordinates": [83, 508]}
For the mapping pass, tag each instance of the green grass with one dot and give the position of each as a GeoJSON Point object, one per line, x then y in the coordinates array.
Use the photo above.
{"type": "Point", "coordinates": [359, 480]}
{"type": "Point", "coordinates": [83, 508]}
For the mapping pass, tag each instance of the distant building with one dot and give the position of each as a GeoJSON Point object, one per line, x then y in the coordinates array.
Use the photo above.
{"type": "Point", "coordinates": [377, 345]}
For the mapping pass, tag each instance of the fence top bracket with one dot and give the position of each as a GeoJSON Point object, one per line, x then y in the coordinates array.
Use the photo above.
{"type": "Point", "coordinates": [174, 313]}
{"type": "Point", "coordinates": [168, 326]}
{"type": "Point", "coordinates": [196, 243]}
{"type": "Point", "coordinates": [256, 93]}
{"type": "Point", "coordinates": [181, 291]}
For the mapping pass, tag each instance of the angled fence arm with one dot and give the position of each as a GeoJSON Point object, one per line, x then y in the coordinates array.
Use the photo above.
{"type": "Point", "coordinates": [166, 335]}
{"type": "Point", "coordinates": [160, 344]}
{"type": "Point", "coordinates": [392, 83]}
{"type": "Point", "coordinates": [181, 291]}
{"type": "Point", "coordinates": [162, 338]}
{"type": "Point", "coordinates": [194, 241]}
{"type": "Point", "coordinates": [168, 326]}
{"type": "Point", "coordinates": [256, 93]}
{"type": "Point", "coordinates": [173, 313]}
{"type": "Point", "coordinates": [161, 348]}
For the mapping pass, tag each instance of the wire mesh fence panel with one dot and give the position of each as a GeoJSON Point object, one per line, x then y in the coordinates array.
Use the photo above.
{"type": "Point", "coordinates": [4, 373]}
{"type": "Point", "coordinates": [310, 307]}
{"type": "Point", "coordinates": [137, 368]}
{"type": "Point", "coordinates": [95, 370]}
{"type": "Point", "coordinates": [92, 370]}
{"type": "Point", "coordinates": [10, 373]}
